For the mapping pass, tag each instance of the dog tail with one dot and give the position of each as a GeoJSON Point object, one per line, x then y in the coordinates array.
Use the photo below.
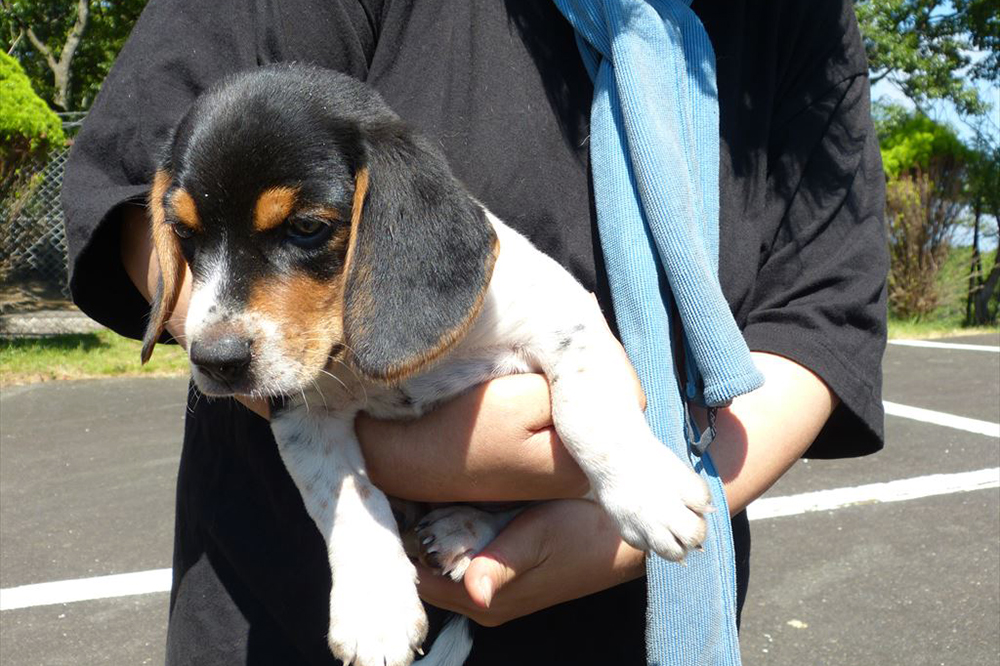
{"type": "Point", "coordinates": [452, 645]}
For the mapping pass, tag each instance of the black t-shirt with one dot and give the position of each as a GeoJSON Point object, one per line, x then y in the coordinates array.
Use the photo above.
{"type": "Point", "coordinates": [502, 90]}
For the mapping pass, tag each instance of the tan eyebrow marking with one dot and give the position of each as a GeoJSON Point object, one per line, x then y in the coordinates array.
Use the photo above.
{"type": "Point", "coordinates": [273, 206]}
{"type": "Point", "coordinates": [184, 209]}
{"type": "Point", "coordinates": [324, 212]}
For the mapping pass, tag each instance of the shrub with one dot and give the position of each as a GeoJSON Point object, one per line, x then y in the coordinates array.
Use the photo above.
{"type": "Point", "coordinates": [926, 169]}
{"type": "Point", "coordinates": [28, 127]}
{"type": "Point", "coordinates": [917, 247]}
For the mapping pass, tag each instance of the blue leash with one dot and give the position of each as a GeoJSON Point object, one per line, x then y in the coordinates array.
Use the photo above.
{"type": "Point", "coordinates": [654, 155]}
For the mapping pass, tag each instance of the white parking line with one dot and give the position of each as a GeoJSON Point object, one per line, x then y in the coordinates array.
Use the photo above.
{"type": "Point", "coordinates": [943, 419]}
{"type": "Point", "coordinates": [874, 493]}
{"type": "Point", "coordinates": [945, 345]}
{"type": "Point", "coordinates": [85, 589]}
{"type": "Point", "coordinates": [158, 580]}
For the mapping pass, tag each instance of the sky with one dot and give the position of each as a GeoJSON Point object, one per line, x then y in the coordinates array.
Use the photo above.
{"type": "Point", "coordinates": [945, 112]}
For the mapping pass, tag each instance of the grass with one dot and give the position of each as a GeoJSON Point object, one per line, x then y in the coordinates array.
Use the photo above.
{"type": "Point", "coordinates": [952, 286]}
{"type": "Point", "coordinates": [902, 329]}
{"type": "Point", "coordinates": [84, 356]}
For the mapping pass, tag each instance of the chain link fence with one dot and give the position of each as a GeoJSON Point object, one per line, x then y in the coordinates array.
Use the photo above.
{"type": "Point", "coordinates": [34, 276]}
{"type": "Point", "coordinates": [33, 241]}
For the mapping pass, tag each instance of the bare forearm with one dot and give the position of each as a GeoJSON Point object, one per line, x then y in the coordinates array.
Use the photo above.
{"type": "Point", "coordinates": [763, 433]}
{"type": "Point", "coordinates": [497, 443]}
{"type": "Point", "coordinates": [494, 443]}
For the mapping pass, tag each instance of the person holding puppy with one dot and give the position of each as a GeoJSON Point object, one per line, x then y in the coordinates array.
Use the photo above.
{"type": "Point", "coordinates": [501, 88]}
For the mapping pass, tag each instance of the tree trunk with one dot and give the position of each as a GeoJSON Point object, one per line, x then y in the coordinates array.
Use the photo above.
{"type": "Point", "coordinates": [975, 265]}
{"type": "Point", "coordinates": [61, 68]}
{"type": "Point", "coordinates": [984, 294]}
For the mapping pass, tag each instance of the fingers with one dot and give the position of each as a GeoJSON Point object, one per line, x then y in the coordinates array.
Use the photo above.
{"type": "Point", "coordinates": [537, 561]}
{"type": "Point", "coordinates": [441, 591]}
{"type": "Point", "coordinates": [491, 570]}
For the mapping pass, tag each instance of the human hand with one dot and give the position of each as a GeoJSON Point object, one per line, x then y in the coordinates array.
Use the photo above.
{"type": "Point", "coordinates": [536, 562]}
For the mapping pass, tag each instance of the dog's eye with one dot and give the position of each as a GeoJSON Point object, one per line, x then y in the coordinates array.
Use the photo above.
{"type": "Point", "coordinates": [305, 226]}
{"type": "Point", "coordinates": [183, 231]}
{"type": "Point", "coordinates": [307, 231]}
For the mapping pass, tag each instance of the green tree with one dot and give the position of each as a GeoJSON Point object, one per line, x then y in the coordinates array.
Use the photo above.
{"type": "Point", "coordinates": [925, 48]}
{"type": "Point", "coordinates": [980, 19]}
{"type": "Point", "coordinates": [67, 46]}
{"type": "Point", "coordinates": [926, 169]}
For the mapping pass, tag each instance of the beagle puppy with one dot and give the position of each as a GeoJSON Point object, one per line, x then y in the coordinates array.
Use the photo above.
{"type": "Point", "coordinates": [340, 267]}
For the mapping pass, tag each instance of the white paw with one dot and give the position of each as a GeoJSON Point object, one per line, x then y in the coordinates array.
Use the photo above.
{"type": "Point", "coordinates": [658, 504]}
{"type": "Point", "coordinates": [376, 619]}
{"type": "Point", "coordinates": [448, 538]}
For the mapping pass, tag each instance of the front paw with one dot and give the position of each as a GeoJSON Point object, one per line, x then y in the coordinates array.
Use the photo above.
{"type": "Point", "coordinates": [377, 621]}
{"type": "Point", "coordinates": [658, 506]}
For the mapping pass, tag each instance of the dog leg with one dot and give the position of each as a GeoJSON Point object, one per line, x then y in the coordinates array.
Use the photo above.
{"type": "Point", "coordinates": [656, 500]}
{"type": "Point", "coordinates": [448, 538]}
{"type": "Point", "coordinates": [376, 618]}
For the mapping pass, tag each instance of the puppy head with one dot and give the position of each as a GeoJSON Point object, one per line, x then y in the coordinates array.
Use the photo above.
{"type": "Point", "coordinates": [316, 226]}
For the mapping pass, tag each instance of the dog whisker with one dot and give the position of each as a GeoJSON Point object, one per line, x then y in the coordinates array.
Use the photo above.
{"type": "Point", "coordinates": [357, 378]}
{"type": "Point", "coordinates": [318, 390]}
{"type": "Point", "coordinates": [338, 380]}
{"type": "Point", "coordinates": [197, 397]}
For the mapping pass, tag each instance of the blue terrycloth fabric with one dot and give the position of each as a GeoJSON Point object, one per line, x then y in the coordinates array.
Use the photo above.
{"type": "Point", "coordinates": [654, 153]}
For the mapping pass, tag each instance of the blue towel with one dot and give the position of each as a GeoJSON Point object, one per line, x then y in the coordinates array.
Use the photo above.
{"type": "Point", "coordinates": [655, 160]}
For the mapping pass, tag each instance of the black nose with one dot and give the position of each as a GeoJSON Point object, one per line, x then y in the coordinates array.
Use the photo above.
{"type": "Point", "coordinates": [224, 359]}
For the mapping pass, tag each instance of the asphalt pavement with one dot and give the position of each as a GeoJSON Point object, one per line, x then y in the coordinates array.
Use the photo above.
{"type": "Point", "coordinates": [87, 474]}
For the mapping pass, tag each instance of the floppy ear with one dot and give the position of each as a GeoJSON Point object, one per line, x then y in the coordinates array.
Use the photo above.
{"type": "Point", "coordinates": [168, 254]}
{"type": "Point", "coordinates": [420, 259]}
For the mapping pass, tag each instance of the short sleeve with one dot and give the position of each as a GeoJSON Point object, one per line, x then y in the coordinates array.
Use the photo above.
{"type": "Point", "coordinates": [177, 49]}
{"type": "Point", "coordinates": [819, 297]}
